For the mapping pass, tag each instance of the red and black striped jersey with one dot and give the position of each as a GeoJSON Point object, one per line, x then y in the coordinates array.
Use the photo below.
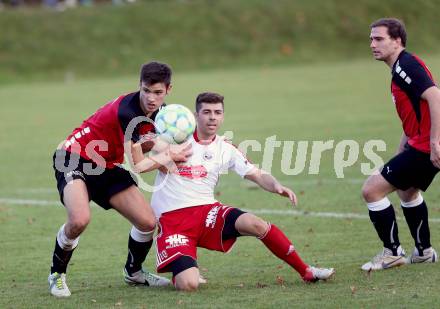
{"type": "Point", "coordinates": [410, 78]}
{"type": "Point", "coordinates": [100, 138]}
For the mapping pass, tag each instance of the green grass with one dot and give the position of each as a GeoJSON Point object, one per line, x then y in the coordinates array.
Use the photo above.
{"type": "Point", "coordinates": [198, 34]}
{"type": "Point", "coordinates": [314, 102]}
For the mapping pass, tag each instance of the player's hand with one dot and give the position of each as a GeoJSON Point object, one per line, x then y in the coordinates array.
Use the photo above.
{"type": "Point", "coordinates": [168, 169]}
{"type": "Point", "coordinates": [286, 192]}
{"type": "Point", "coordinates": [150, 136]}
{"type": "Point", "coordinates": [180, 153]}
{"type": "Point", "coordinates": [147, 141]}
{"type": "Point", "coordinates": [435, 154]}
{"type": "Point", "coordinates": [160, 145]}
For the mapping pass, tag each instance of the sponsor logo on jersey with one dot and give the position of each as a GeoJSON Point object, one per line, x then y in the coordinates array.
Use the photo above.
{"type": "Point", "coordinates": [208, 155]}
{"type": "Point", "coordinates": [192, 172]}
{"type": "Point", "coordinates": [176, 240]}
{"type": "Point", "coordinates": [211, 218]}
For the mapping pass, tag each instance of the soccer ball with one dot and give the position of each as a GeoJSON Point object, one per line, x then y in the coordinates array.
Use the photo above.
{"type": "Point", "coordinates": [175, 123]}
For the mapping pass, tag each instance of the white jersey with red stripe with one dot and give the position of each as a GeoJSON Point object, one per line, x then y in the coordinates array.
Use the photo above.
{"type": "Point", "coordinates": [194, 181]}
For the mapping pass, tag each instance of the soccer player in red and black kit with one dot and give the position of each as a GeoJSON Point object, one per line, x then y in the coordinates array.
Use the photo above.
{"type": "Point", "coordinates": [87, 168]}
{"type": "Point", "coordinates": [412, 169]}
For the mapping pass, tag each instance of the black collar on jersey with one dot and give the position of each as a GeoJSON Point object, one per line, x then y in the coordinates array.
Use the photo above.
{"type": "Point", "coordinates": [403, 52]}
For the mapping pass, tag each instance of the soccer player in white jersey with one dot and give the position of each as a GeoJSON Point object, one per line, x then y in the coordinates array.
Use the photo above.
{"type": "Point", "coordinates": [189, 216]}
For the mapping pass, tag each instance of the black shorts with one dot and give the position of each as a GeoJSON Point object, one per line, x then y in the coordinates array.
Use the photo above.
{"type": "Point", "coordinates": [410, 168]}
{"type": "Point", "coordinates": [102, 183]}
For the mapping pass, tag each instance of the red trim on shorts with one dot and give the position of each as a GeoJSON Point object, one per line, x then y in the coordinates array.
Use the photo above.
{"type": "Point", "coordinates": [218, 244]}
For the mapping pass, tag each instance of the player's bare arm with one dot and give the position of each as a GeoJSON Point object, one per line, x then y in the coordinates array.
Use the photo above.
{"type": "Point", "coordinates": [432, 95]}
{"type": "Point", "coordinates": [165, 156]}
{"type": "Point", "coordinates": [403, 141]}
{"type": "Point", "coordinates": [271, 184]}
{"type": "Point", "coordinates": [139, 162]}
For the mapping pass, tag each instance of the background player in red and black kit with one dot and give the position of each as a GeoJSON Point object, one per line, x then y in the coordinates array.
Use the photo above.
{"type": "Point", "coordinates": [417, 100]}
{"type": "Point", "coordinates": [87, 168]}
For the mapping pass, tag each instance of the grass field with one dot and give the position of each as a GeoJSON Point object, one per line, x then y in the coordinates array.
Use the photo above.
{"type": "Point", "coordinates": [82, 42]}
{"type": "Point", "coordinates": [309, 103]}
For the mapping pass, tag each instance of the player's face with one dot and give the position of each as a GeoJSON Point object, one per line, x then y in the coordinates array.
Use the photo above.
{"type": "Point", "coordinates": [153, 96]}
{"type": "Point", "coordinates": [382, 45]}
{"type": "Point", "coordinates": [209, 118]}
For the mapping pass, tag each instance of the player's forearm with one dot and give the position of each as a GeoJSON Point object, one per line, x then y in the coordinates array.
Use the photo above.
{"type": "Point", "coordinates": [142, 164]}
{"type": "Point", "coordinates": [267, 182]}
{"type": "Point", "coordinates": [434, 110]}
{"type": "Point", "coordinates": [403, 141]}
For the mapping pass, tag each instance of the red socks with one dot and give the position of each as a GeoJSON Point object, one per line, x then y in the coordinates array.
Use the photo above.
{"type": "Point", "coordinates": [280, 245]}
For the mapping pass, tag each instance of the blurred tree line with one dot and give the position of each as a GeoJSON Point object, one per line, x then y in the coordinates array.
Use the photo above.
{"type": "Point", "coordinates": [58, 4]}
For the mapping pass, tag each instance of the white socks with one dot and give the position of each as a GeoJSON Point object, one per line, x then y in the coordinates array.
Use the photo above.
{"type": "Point", "coordinates": [140, 236]}
{"type": "Point", "coordinates": [379, 205]}
{"type": "Point", "coordinates": [413, 203]}
{"type": "Point", "coordinates": [64, 242]}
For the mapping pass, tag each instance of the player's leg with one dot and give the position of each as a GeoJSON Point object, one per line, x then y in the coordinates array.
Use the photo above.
{"type": "Point", "coordinates": [416, 215]}
{"type": "Point", "coordinates": [131, 203]}
{"type": "Point", "coordinates": [185, 274]}
{"type": "Point", "coordinates": [382, 215]}
{"type": "Point", "coordinates": [179, 234]}
{"type": "Point", "coordinates": [409, 169]}
{"type": "Point", "coordinates": [76, 202]}
{"type": "Point", "coordinates": [276, 241]}
{"type": "Point", "coordinates": [414, 207]}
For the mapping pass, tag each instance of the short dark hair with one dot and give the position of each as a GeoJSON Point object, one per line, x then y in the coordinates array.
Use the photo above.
{"type": "Point", "coordinates": [396, 28]}
{"type": "Point", "coordinates": [208, 97]}
{"type": "Point", "coordinates": [155, 72]}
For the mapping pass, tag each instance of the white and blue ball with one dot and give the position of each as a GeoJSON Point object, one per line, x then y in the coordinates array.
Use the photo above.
{"type": "Point", "coordinates": [175, 123]}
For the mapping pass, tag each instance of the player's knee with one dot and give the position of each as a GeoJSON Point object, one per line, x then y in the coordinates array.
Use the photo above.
{"type": "Point", "coordinates": [146, 223]}
{"type": "Point", "coordinates": [253, 225]}
{"type": "Point", "coordinates": [78, 224]}
{"type": "Point", "coordinates": [368, 193]}
{"type": "Point", "coordinates": [249, 224]}
{"type": "Point", "coordinates": [365, 192]}
{"type": "Point", "coordinates": [188, 284]}
{"type": "Point", "coordinates": [259, 226]}
{"type": "Point", "coordinates": [410, 195]}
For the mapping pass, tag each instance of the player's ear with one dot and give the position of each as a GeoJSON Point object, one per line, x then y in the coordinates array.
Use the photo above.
{"type": "Point", "coordinates": [170, 86]}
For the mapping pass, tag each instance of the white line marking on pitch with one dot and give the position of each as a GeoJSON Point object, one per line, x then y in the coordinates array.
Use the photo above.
{"type": "Point", "coordinates": [304, 182]}
{"type": "Point", "coordinates": [16, 201]}
{"type": "Point", "coordinates": [278, 212]}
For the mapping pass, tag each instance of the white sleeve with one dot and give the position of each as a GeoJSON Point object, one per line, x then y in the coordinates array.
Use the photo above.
{"type": "Point", "coordinates": [239, 163]}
